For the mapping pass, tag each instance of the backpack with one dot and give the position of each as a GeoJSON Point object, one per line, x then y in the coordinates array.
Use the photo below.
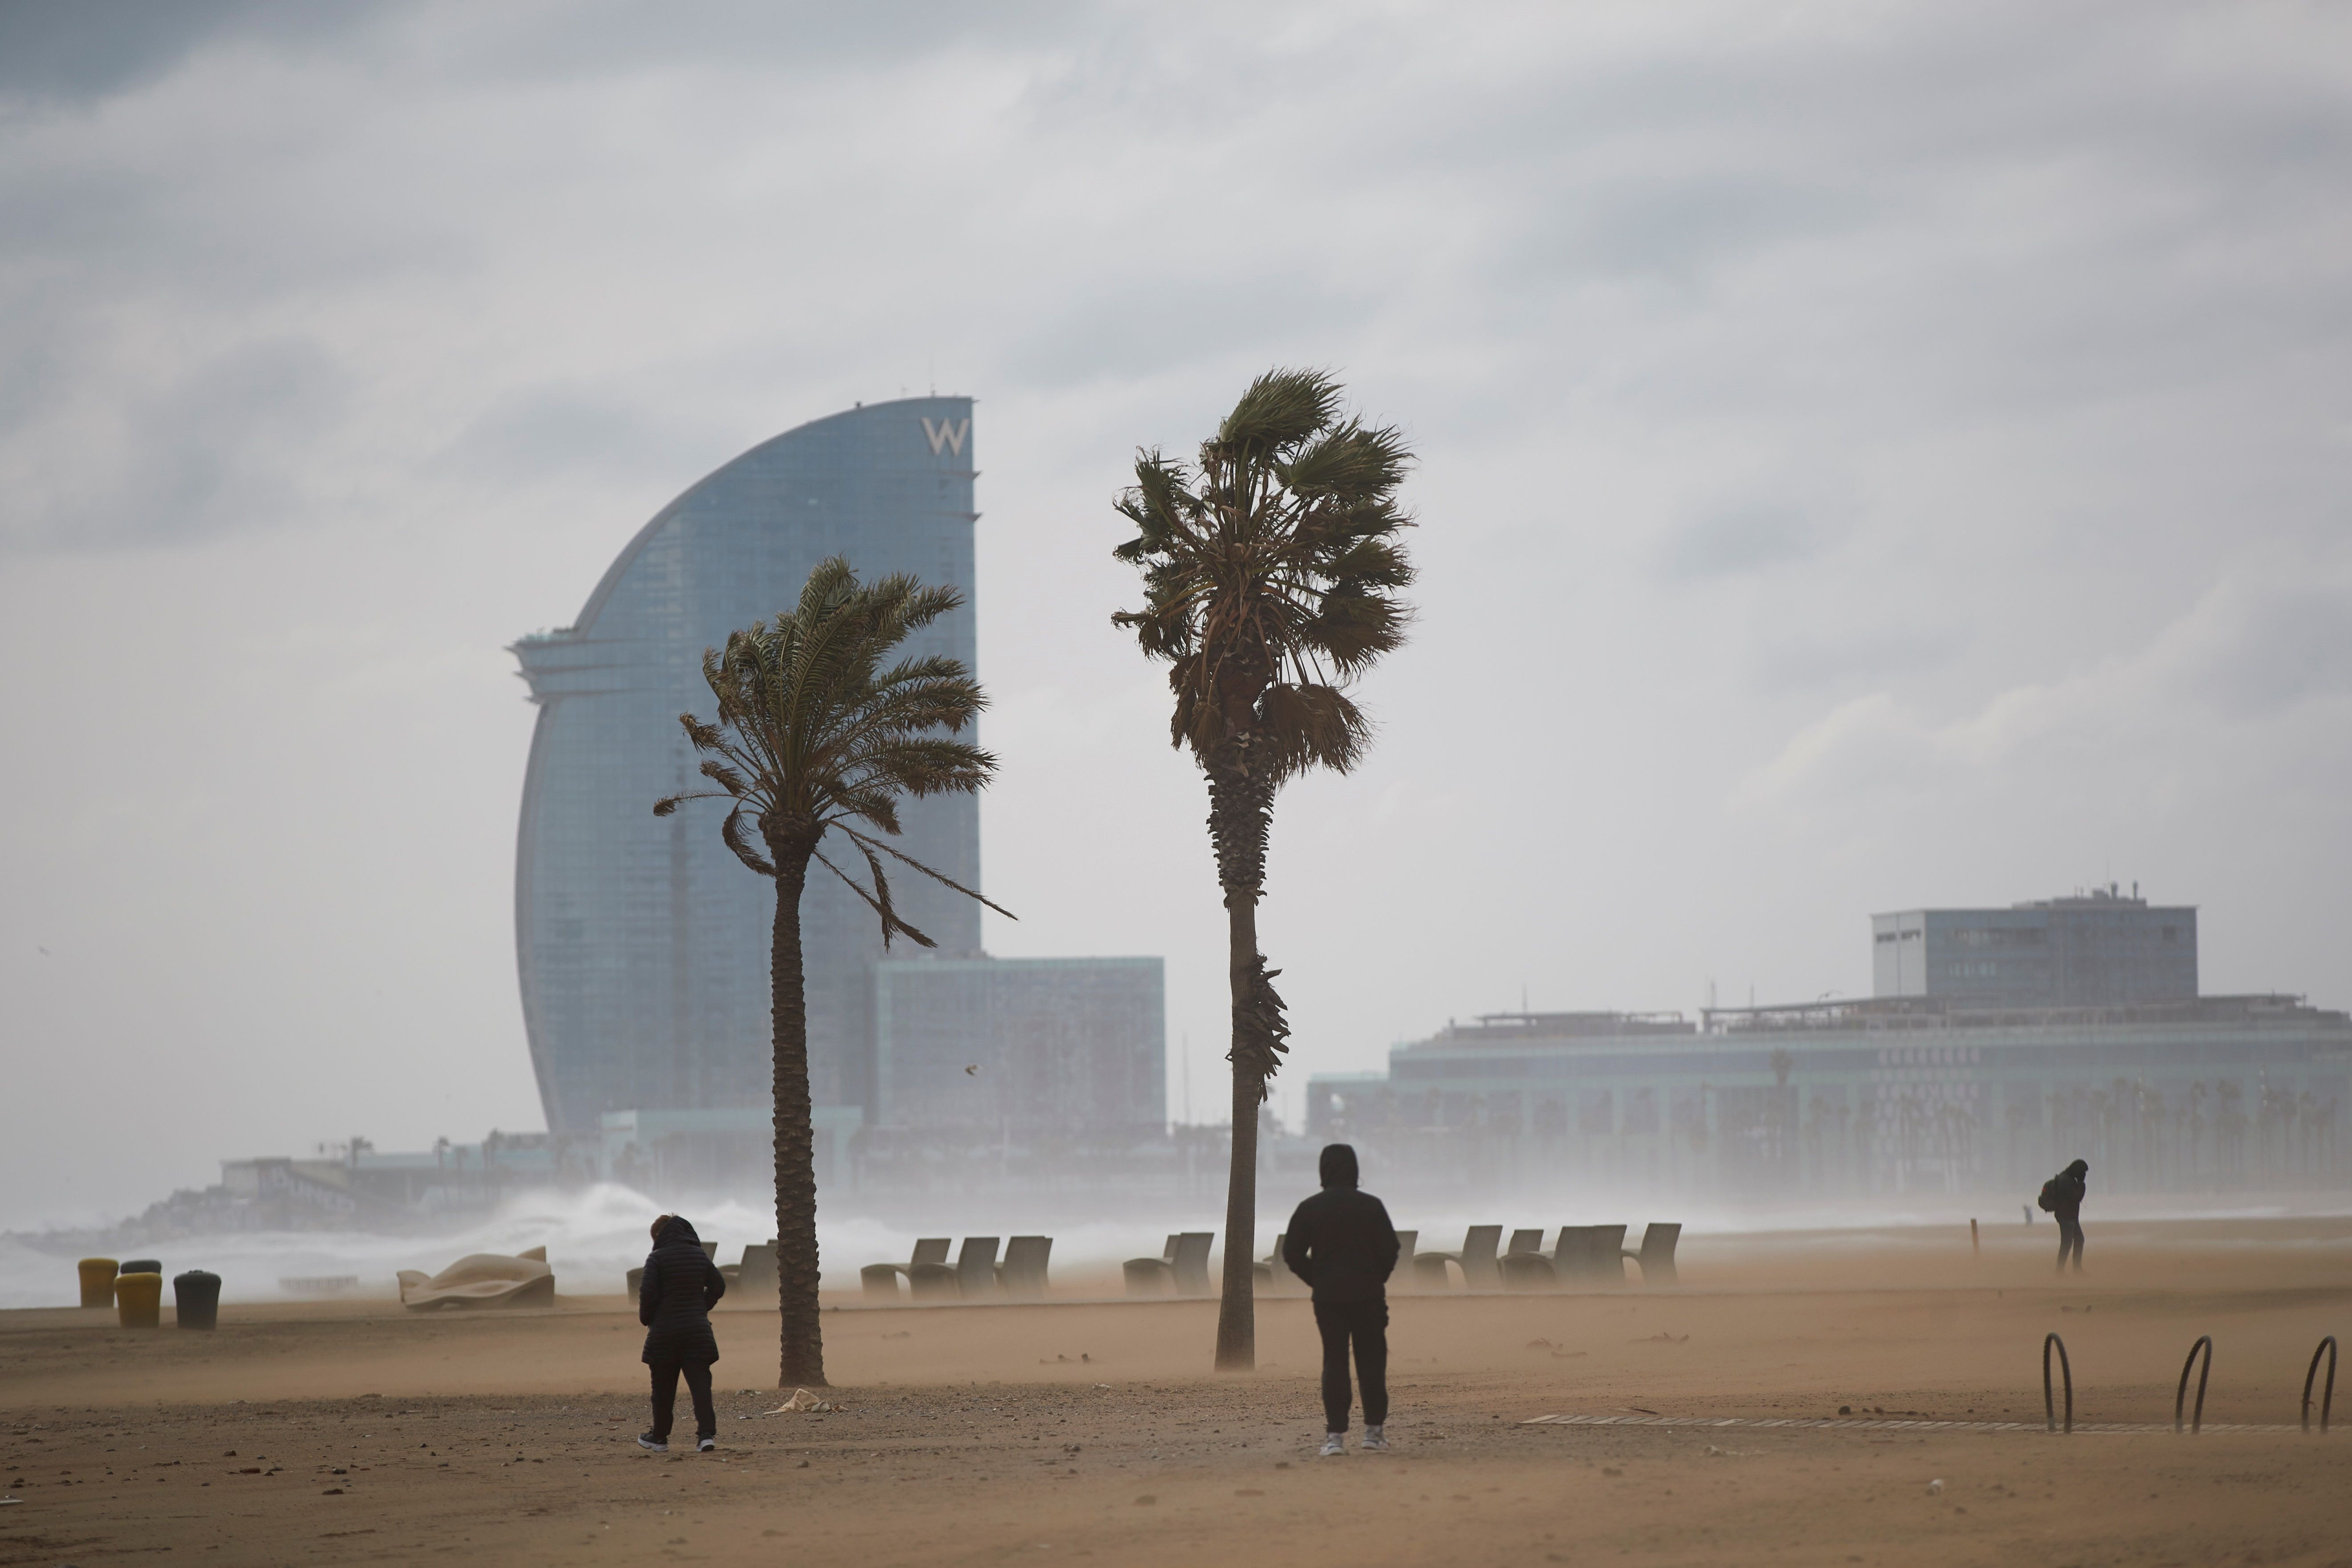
{"type": "Point", "coordinates": [2049, 1198]}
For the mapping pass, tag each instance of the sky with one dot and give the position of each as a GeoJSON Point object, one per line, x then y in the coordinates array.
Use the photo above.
{"type": "Point", "coordinates": [1869, 457]}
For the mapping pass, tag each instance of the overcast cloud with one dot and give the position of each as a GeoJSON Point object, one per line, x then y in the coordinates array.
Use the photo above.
{"type": "Point", "coordinates": [1872, 456]}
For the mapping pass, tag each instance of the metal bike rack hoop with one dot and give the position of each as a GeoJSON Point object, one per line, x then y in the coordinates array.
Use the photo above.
{"type": "Point", "coordinates": [2327, 1397]}
{"type": "Point", "coordinates": [2180, 1395]}
{"type": "Point", "coordinates": [2066, 1369]}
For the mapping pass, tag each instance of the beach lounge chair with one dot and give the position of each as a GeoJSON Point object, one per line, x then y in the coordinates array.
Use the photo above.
{"type": "Point", "coordinates": [1181, 1269]}
{"type": "Point", "coordinates": [755, 1277]}
{"type": "Point", "coordinates": [1581, 1254]}
{"type": "Point", "coordinates": [1022, 1275]}
{"type": "Point", "coordinates": [973, 1278]}
{"type": "Point", "coordinates": [1475, 1260]}
{"type": "Point", "coordinates": [880, 1281]}
{"type": "Point", "coordinates": [1271, 1276]}
{"type": "Point", "coordinates": [1523, 1266]}
{"type": "Point", "coordinates": [1657, 1254]}
{"type": "Point", "coordinates": [482, 1279]}
{"type": "Point", "coordinates": [1587, 1255]}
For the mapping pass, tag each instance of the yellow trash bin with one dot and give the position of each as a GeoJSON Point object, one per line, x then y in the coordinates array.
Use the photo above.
{"type": "Point", "coordinates": [97, 1282]}
{"type": "Point", "coordinates": [139, 1299]}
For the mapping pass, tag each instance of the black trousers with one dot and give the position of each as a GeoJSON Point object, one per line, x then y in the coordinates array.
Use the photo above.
{"type": "Point", "coordinates": [2070, 1240]}
{"type": "Point", "coordinates": [1364, 1324]}
{"type": "Point", "coordinates": [698, 1385]}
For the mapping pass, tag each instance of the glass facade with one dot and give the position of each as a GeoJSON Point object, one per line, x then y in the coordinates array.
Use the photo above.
{"type": "Point", "coordinates": [642, 942]}
{"type": "Point", "coordinates": [1020, 1046]}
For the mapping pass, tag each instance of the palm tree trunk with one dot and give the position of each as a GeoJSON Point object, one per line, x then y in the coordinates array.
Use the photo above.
{"type": "Point", "coordinates": [1241, 818]}
{"type": "Point", "coordinates": [802, 1354]}
{"type": "Point", "coordinates": [1237, 1302]}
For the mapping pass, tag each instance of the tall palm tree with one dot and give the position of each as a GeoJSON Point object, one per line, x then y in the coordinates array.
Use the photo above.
{"type": "Point", "coordinates": [816, 736]}
{"type": "Point", "coordinates": [1271, 573]}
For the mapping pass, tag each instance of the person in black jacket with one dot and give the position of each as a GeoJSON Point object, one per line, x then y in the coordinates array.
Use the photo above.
{"type": "Point", "coordinates": [1342, 1244]}
{"type": "Point", "coordinates": [2065, 1194]}
{"type": "Point", "coordinates": [681, 1285]}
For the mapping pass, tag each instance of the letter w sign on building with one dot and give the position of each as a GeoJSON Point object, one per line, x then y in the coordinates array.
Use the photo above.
{"type": "Point", "coordinates": [948, 434]}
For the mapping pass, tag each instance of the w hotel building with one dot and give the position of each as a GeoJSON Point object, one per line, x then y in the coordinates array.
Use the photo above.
{"type": "Point", "coordinates": [643, 942]}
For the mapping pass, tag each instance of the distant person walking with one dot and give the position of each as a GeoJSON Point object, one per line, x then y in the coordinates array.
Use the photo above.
{"type": "Point", "coordinates": [681, 1285]}
{"type": "Point", "coordinates": [1342, 1244]}
{"type": "Point", "coordinates": [2062, 1196]}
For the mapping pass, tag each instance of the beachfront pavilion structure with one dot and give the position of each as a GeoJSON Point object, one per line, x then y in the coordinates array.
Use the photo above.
{"type": "Point", "coordinates": [1862, 1099]}
{"type": "Point", "coordinates": [643, 943]}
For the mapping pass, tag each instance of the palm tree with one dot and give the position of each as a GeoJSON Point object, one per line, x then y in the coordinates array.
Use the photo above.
{"type": "Point", "coordinates": [1270, 576]}
{"type": "Point", "coordinates": [816, 736]}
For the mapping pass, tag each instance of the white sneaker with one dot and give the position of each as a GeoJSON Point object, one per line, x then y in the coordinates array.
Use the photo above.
{"type": "Point", "coordinates": [1334, 1443]}
{"type": "Point", "coordinates": [1376, 1440]}
{"type": "Point", "coordinates": [651, 1444]}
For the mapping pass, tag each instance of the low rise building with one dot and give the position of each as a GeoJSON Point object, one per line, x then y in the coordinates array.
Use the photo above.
{"type": "Point", "coordinates": [2091, 1043]}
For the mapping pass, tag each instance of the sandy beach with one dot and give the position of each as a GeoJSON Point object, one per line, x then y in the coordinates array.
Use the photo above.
{"type": "Point", "coordinates": [354, 1432]}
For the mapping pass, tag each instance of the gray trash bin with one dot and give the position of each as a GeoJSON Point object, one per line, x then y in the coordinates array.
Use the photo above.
{"type": "Point", "coordinates": [196, 1296]}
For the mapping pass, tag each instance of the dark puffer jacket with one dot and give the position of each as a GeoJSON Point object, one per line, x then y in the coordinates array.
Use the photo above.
{"type": "Point", "coordinates": [2067, 1189]}
{"type": "Point", "coordinates": [1341, 1241]}
{"type": "Point", "coordinates": [681, 1285]}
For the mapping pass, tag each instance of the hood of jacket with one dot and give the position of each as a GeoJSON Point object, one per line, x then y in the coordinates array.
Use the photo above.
{"type": "Point", "coordinates": [679, 1228]}
{"type": "Point", "coordinates": [1337, 1166]}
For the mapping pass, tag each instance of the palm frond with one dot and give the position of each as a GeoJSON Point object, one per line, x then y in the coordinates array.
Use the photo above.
{"type": "Point", "coordinates": [726, 777]}
{"type": "Point", "coordinates": [878, 901]}
{"type": "Point", "coordinates": [731, 830]}
{"type": "Point", "coordinates": [927, 871]}
{"type": "Point", "coordinates": [1272, 575]}
{"type": "Point", "coordinates": [822, 722]}
{"type": "Point", "coordinates": [669, 804]}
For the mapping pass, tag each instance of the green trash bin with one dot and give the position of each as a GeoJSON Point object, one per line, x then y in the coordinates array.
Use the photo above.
{"type": "Point", "coordinates": [97, 1280]}
{"type": "Point", "coordinates": [195, 1299]}
{"type": "Point", "coordinates": [139, 1300]}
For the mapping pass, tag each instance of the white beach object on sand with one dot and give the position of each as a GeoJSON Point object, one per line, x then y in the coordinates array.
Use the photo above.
{"type": "Point", "coordinates": [1935, 1487]}
{"type": "Point", "coordinates": [801, 1401]}
{"type": "Point", "coordinates": [482, 1279]}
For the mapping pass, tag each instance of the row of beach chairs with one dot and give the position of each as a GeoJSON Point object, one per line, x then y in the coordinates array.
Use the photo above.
{"type": "Point", "coordinates": [751, 1281]}
{"type": "Point", "coordinates": [976, 1275]}
{"type": "Point", "coordinates": [1581, 1255]}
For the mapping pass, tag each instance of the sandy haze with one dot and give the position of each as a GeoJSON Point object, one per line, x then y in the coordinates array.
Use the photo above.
{"type": "Point", "coordinates": [356, 1433]}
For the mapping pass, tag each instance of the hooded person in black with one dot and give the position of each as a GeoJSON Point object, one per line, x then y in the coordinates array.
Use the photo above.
{"type": "Point", "coordinates": [2062, 1196]}
{"type": "Point", "coordinates": [681, 1285]}
{"type": "Point", "coordinates": [1342, 1244]}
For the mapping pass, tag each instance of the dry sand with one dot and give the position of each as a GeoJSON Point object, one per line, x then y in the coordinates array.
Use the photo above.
{"type": "Point", "coordinates": [351, 1432]}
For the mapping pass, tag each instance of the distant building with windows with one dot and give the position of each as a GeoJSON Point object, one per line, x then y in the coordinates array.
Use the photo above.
{"type": "Point", "coordinates": [2092, 1043]}
{"type": "Point", "coordinates": [642, 943]}
{"type": "Point", "coordinates": [2096, 950]}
